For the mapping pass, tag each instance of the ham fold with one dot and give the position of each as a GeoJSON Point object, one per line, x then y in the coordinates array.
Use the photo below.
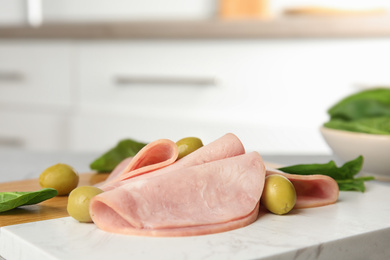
{"type": "Point", "coordinates": [214, 189]}
{"type": "Point", "coordinates": [206, 198]}
{"type": "Point", "coordinates": [312, 190]}
{"type": "Point", "coordinates": [226, 146]}
{"type": "Point", "coordinates": [153, 156]}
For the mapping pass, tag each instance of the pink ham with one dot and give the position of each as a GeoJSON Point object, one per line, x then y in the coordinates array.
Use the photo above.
{"type": "Point", "coordinates": [153, 156]}
{"type": "Point", "coordinates": [206, 198]}
{"type": "Point", "coordinates": [224, 147]}
{"type": "Point", "coordinates": [312, 190]}
{"type": "Point", "coordinates": [214, 189]}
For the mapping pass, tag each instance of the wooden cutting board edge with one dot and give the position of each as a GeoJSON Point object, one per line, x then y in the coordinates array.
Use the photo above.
{"type": "Point", "coordinates": [49, 209]}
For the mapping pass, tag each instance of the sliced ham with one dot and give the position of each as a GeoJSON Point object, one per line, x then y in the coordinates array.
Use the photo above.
{"type": "Point", "coordinates": [312, 190]}
{"type": "Point", "coordinates": [226, 146]}
{"type": "Point", "coordinates": [206, 198]}
{"type": "Point", "coordinates": [214, 189]}
{"type": "Point", "coordinates": [151, 157]}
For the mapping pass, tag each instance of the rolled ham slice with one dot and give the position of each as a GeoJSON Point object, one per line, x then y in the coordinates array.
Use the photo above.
{"type": "Point", "coordinates": [226, 146]}
{"type": "Point", "coordinates": [206, 198]}
{"type": "Point", "coordinates": [312, 190]}
{"type": "Point", "coordinates": [151, 157]}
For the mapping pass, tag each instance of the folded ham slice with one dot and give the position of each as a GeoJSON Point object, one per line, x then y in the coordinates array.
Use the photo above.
{"type": "Point", "coordinates": [205, 198]}
{"type": "Point", "coordinates": [226, 146]}
{"type": "Point", "coordinates": [151, 157]}
{"type": "Point", "coordinates": [312, 190]}
{"type": "Point", "coordinates": [214, 189]}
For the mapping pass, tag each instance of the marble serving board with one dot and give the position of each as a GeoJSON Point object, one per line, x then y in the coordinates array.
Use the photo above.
{"type": "Point", "coordinates": [356, 227]}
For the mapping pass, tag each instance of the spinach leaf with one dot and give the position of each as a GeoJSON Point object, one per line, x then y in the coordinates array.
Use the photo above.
{"type": "Point", "coordinates": [11, 200]}
{"type": "Point", "coordinates": [356, 184]}
{"type": "Point", "coordinates": [368, 103]}
{"type": "Point", "coordinates": [365, 112]}
{"type": "Point", "coordinates": [109, 160]}
{"type": "Point", "coordinates": [344, 175]}
{"type": "Point", "coordinates": [372, 125]}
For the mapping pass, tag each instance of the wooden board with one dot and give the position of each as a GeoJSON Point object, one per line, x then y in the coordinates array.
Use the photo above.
{"type": "Point", "coordinates": [49, 209]}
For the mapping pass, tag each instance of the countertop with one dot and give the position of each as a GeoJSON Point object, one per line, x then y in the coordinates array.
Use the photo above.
{"type": "Point", "coordinates": [305, 26]}
{"type": "Point", "coordinates": [356, 227]}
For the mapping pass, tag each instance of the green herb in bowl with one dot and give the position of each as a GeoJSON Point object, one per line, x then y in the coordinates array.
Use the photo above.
{"type": "Point", "coordinates": [359, 124]}
{"type": "Point", "coordinates": [367, 111]}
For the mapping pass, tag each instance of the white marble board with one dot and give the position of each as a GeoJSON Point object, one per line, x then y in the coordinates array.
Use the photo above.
{"type": "Point", "coordinates": [356, 227]}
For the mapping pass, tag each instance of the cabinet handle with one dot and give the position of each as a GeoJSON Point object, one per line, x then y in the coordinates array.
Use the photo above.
{"type": "Point", "coordinates": [11, 76]}
{"type": "Point", "coordinates": [11, 142]}
{"type": "Point", "coordinates": [165, 80]}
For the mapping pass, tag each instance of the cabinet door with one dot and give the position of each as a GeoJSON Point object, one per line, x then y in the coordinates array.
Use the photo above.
{"type": "Point", "coordinates": [131, 87]}
{"type": "Point", "coordinates": [168, 79]}
{"type": "Point", "coordinates": [12, 12]}
{"type": "Point", "coordinates": [36, 131]}
{"type": "Point", "coordinates": [273, 94]}
{"type": "Point", "coordinates": [35, 74]}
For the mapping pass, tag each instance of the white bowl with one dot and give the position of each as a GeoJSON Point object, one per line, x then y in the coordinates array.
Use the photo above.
{"type": "Point", "coordinates": [348, 145]}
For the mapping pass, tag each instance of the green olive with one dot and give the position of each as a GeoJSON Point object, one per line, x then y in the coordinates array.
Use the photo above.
{"type": "Point", "coordinates": [78, 202]}
{"type": "Point", "coordinates": [61, 177]}
{"type": "Point", "coordinates": [188, 145]}
{"type": "Point", "coordinates": [279, 195]}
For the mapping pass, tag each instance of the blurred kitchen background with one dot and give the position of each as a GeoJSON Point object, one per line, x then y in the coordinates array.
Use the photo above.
{"type": "Point", "coordinates": [82, 75]}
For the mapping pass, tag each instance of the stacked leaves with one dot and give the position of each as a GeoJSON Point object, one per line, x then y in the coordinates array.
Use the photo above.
{"type": "Point", "coordinates": [365, 112]}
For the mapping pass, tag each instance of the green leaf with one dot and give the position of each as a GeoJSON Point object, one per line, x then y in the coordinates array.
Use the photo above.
{"type": "Point", "coordinates": [109, 160]}
{"type": "Point", "coordinates": [347, 171]}
{"type": "Point", "coordinates": [344, 175]}
{"type": "Point", "coordinates": [368, 103]}
{"type": "Point", "coordinates": [373, 125]}
{"type": "Point", "coordinates": [356, 184]}
{"type": "Point", "coordinates": [11, 200]}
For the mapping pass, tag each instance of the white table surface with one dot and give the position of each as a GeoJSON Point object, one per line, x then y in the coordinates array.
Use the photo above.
{"type": "Point", "coordinates": [356, 227]}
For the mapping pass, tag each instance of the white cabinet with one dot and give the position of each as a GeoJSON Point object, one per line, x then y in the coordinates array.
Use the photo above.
{"type": "Point", "coordinates": [12, 12]}
{"type": "Point", "coordinates": [166, 89]}
{"type": "Point", "coordinates": [148, 90]}
{"type": "Point", "coordinates": [35, 93]}
{"type": "Point", "coordinates": [36, 131]}
{"type": "Point", "coordinates": [87, 94]}
{"type": "Point", "coordinates": [35, 74]}
{"type": "Point", "coordinates": [272, 93]}
{"type": "Point", "coordinates": [179, 78]}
